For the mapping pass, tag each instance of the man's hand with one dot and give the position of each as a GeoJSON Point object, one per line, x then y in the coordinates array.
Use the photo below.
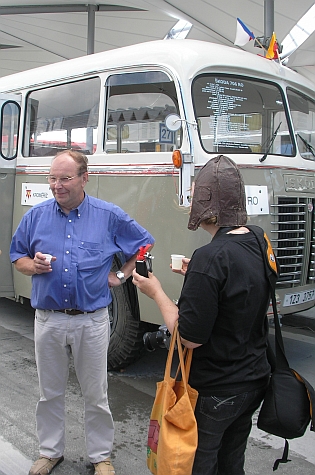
{"type": "Point", "coordinates": [113, 280]}
{"type": "Point", "coordinates": [41, 265]}
{"type": "Point", "coordinates": [37, 265]}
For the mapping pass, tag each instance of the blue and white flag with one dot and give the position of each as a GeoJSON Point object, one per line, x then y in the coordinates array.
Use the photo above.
{"type": "Point", "coordinates": [243, 34]}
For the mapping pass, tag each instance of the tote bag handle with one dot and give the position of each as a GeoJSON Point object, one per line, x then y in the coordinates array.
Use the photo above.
{"type": "Point", "coordinates": [185, 358]}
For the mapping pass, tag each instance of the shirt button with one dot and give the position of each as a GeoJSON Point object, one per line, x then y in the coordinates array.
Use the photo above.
{"type": "Point", "coordinates": [70, 221]}
{"type": "Point", "coordinates": [66, 270]}
{"type": "Point", "coordinates": [65, 285]}
{"type": "Point", "coordinates": [66, 300]}
{"type": "Point", "coordinates": [68, 236]}
{"type": "Point", "coordinates": [67, 252]}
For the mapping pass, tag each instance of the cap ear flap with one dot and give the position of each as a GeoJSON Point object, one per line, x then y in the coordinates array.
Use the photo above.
{"type": "Point", "coordinates": [204, 193]}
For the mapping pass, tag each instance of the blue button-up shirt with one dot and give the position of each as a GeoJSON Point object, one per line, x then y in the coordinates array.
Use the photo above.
{"type": "Point", "coordinates": [84, 243]}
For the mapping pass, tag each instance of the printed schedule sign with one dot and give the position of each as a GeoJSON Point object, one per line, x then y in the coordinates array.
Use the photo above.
{"type": "Point", "coordinates": [224, 95]}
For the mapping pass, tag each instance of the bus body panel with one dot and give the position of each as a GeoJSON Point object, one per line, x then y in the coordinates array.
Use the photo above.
{"type": "Point", "coordinates": [7, 180]}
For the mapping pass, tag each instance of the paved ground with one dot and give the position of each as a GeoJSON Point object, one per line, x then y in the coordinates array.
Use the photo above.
{"type": "Point", "coordinates": [131, 396]}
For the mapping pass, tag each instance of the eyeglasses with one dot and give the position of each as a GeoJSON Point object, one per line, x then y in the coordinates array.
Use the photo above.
{"type": "Point", "coordinates": [63, 180]}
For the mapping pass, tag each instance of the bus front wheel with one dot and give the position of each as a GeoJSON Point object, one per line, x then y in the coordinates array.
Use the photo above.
{"type": "Point", "coordinates": [126, 340]}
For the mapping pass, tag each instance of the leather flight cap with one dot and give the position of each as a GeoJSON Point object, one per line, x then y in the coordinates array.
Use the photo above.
{"type": "Point", "coordinates": [219, 191]}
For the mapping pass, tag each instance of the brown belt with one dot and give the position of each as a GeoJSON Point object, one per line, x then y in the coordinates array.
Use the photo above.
{"type": "Point", "coordinates": [72, 311]}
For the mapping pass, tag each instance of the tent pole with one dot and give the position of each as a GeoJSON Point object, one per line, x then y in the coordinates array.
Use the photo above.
{"type": "Point", "coordinates": [91, 29]}
{"type": "Point", "coordinates": [269, 18]}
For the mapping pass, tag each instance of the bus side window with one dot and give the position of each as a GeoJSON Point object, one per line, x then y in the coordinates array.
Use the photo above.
{"type": "Point", "coordinates": [303, 117]}
{"type": "Point", "coordinates": [61, 117]}
{"type": "Point", "coordinates": [137, 105]}
{"type": "Point", "coordinates": [10, 117]}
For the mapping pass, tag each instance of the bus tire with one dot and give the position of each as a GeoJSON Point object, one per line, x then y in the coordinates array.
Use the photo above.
{"type": "Point", "coordinates": [126, 340]}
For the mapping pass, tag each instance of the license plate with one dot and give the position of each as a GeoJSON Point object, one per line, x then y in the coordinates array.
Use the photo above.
{"type": "Point", "coordinates": [298, 297]}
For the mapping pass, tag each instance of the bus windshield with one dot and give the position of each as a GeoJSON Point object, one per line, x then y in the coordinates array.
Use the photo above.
{"type": "Point", "coordinates": [240, 115]}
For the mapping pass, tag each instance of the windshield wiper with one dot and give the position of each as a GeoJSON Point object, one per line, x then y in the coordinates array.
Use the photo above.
{"type": "Point", "coordinates": [308, 146]}
{"type": "Point", "coordinates": [265, 155]}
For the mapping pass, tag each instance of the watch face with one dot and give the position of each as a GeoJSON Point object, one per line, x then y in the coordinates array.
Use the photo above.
{"type": "Point", "coordinates": [121, 276]}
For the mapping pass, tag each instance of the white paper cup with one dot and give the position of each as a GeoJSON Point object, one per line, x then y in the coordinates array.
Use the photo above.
{"type": "Point", "coordinates": [48, 257]}
{"type": "Point", "coordinates": [177, 261]}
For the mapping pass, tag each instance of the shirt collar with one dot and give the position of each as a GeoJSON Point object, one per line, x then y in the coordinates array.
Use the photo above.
{"type": "Point", "coordinates": [79, 210]}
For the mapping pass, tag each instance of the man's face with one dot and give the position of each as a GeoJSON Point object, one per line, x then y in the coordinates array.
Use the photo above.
{"type": "Point", "coordinates": [70, 194]}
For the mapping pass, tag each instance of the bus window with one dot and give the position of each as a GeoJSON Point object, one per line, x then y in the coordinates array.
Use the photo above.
{"type": "Point", "coordinates": [10, 118]}
{"type": "Point", "coordinates": [240, 115]}
{"type": "Point", "coordinates": [303, 117]}
{"type": "Point", "coordinates": [62, 117]}
{"type": "Point", "coordinates": [137, 105]}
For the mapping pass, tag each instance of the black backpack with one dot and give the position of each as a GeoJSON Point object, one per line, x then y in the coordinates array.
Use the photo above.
{"type": "Point", "coordinates": [289, 403]}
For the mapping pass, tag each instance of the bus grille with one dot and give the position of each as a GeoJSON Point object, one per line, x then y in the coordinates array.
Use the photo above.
{"type": "Point", "coordinates": [292, 227]}
{"type": "Point", "coordinates": [311, 268]}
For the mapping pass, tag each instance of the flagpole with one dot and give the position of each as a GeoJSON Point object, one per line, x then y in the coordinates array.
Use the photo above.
{"type": "Point", "coordinates": [261, 45]}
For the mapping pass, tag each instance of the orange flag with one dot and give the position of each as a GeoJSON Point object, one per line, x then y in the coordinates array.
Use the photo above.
{"type": "Point", "coordinates": [272, 52]}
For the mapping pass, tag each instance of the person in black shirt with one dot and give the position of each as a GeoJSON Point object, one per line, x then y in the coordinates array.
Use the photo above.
{"type": "Point", "coordinates": [221, 314]}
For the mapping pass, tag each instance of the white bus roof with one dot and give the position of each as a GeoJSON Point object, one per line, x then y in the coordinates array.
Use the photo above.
{"type": "Point", "coordinates": [187, 57]}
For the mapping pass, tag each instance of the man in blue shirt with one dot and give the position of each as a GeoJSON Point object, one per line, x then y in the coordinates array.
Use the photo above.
{"type": "Point", "coordinates": [71, 295]}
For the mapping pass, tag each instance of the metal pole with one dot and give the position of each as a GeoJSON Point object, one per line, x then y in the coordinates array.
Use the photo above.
{"type": "Point", "coordinates": [269, 18]}
{"type": "Point", "coordinates": [91, 29]}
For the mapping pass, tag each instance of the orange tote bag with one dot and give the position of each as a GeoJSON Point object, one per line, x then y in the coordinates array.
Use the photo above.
{"type": "Point", "coordinates": [172, 437]}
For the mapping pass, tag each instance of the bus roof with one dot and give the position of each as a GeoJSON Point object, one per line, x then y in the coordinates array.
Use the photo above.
{"type": "Point", "coordinates": [187, 57]}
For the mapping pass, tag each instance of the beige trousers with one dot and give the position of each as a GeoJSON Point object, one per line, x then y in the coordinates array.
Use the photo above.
{"type": "Point", "coordinates": [86, 337]}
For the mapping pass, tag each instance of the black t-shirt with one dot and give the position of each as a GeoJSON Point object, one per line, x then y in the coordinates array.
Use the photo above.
{"type": "Point", "coordinates": [223, 306]}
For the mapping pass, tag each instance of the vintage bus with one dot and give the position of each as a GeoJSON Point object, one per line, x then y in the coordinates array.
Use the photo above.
{"type": "Point", "coordinates": [149, 116]}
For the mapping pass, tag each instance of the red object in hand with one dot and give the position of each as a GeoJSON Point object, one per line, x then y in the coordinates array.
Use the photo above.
{"type": "Point", "coordinates": [143, 262]}
{"type": "Point", "coordinates": [142, 251]}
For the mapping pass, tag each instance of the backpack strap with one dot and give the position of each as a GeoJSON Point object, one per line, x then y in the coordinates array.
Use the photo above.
{"type": "Point", "coordinates": [284, 458]}
{"type": "Point", "coordinates": [269, 257]}
{"type": "Point", "coordinates": [272, 273]}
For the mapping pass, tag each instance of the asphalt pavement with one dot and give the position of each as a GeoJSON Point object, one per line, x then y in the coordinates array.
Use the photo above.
{"type": "Point", "coordinates": [131, 394]}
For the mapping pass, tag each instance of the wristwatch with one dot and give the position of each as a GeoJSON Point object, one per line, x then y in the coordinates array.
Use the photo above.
{"type": "Point", "coordinates": [121, 276]}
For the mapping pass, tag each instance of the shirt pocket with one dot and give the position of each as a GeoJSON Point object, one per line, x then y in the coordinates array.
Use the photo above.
{"type": "Point", "coordinates": [90, 255]}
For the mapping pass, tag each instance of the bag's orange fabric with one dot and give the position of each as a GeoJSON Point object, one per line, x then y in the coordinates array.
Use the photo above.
{"type": "Point", "coordinates": [172, 437]}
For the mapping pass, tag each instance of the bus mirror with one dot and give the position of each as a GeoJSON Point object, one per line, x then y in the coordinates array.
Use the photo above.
{"type": "Point", "coordinates": [173, 122]}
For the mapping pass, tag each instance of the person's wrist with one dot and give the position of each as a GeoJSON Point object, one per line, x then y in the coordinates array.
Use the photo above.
{"type": "Point", "coordinates": [121, 276]}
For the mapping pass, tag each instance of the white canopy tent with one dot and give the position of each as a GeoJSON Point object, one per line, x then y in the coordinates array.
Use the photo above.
{"type": "Point", "coordinates": [34, 33]}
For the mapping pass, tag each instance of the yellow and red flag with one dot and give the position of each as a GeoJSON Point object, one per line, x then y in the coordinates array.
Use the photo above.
{"type": "Point", "coordinates": [273, 48]}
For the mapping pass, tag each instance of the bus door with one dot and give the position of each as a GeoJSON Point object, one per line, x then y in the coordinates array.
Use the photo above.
{"type": "Point", "coordinates": [9, 134]}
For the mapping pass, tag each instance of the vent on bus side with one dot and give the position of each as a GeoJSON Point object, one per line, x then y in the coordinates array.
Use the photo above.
{"type": "Point", "coordinates": [290, 222]}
